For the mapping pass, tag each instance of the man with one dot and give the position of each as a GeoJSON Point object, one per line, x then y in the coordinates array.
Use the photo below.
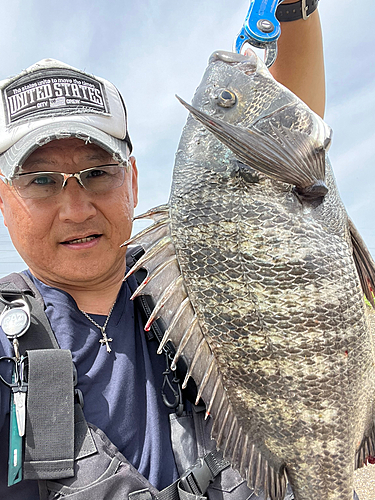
{"type": "Point", "coordinates": [68, 192]}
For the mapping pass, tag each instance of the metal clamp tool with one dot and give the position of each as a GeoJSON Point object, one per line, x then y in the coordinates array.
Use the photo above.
{"type": "Point", "coordinates": [15, 321]}
{"type": "Point", "coordinates": [18, 385]}
{"type": "Point", "coordinates": [261, 29]}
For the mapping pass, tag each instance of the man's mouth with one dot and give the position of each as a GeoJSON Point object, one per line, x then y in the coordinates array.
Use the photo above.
{"type": "Point", "coordinates": [81, 240]}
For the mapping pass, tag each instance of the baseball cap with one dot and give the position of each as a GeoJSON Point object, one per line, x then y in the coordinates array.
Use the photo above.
{"type": "Point", "coordinates": [52, 100]}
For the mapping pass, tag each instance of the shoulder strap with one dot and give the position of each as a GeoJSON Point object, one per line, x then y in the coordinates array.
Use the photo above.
{"type": "Point", "coordinates": [17, 283]}
{"type": "Point", "coordinates": [40, 334]}
{"type": "Point", "coordinates": [146, 305]}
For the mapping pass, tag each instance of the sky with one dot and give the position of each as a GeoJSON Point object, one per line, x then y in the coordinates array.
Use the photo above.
{"type": "Point", "coordinates": [152, 50]}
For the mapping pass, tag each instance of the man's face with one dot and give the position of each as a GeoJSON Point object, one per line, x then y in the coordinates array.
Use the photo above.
{"type": "Point", "coordinates": [74, 237]}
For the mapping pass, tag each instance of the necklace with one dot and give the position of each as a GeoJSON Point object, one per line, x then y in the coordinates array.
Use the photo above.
{"type": "Point", "coordinates": [105, 340]}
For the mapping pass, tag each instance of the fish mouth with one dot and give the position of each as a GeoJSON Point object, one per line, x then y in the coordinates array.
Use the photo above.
{"type": "Point", "coordinates": [82, 239]}
{"type": "Point", "coordinates": [232, 57]}
{"type": "Point", "coordinates": [247, 63]}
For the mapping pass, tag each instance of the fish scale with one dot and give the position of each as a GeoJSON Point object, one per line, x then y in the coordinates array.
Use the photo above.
{"type": "Point", "coordinates": [273, 324]}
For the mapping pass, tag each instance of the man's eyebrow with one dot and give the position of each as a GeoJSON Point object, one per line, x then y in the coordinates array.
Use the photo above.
{"type": "Point", "coordinates": [94, 156]}
{"type": "Point", "coordinates": [98, 156]}
{"type": "Point", "coordinates": [38, 161]}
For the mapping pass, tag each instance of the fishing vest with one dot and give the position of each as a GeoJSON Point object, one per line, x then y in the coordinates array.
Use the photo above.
{"type": "Point", "coordinates": [73, 459]}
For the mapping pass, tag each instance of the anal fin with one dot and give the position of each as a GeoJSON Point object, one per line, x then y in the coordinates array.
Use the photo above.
{"type": "Point", "coordinates": [364, 263]}
{"type": "Point", "coordinates": [366, 452]}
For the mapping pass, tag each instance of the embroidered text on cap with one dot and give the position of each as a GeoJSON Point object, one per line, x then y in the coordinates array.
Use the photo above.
{"type": "Point", "coordinates": [54, 92]}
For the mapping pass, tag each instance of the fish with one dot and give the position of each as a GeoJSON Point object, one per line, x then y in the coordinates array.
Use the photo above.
{"type": "Point", "coordinates": [260, 277]}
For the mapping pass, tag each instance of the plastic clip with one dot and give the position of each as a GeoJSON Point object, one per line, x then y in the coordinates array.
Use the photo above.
{"type": "Point", "coordinates": [197, 479]}
{"type": "Point", "coordinates": [78, 396]}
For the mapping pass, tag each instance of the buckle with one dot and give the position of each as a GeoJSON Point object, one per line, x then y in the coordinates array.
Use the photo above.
{"type": "Point", "coordinates": [304, 8]}
{"type": "Point", "coordinates": [197, 479]}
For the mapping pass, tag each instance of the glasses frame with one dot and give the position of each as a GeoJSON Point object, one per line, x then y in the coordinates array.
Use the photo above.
{"type": "Point", "coordinates": [77, 175]}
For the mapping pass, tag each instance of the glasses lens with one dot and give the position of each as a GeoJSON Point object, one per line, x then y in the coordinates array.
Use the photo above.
{"type": "Point", "coordinates": [103, 178]}
{"type": "Point", "coordinates": [46, 184]}
{"type": "Point", "coordinates": [38, 185]}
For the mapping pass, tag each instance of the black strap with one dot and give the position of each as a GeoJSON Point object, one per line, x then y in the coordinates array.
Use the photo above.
{"type": "Point", "coordinates": [293, 11]}
{"type": "Point", "coordinates": [49, 445]}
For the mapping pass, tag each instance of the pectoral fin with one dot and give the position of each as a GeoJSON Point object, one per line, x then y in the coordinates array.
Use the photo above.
{"type": "Point", "coordinates": [291, 156]}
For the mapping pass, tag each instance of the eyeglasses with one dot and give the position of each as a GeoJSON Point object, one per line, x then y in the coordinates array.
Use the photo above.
{"type": "Point", "coordinates": [45, 184]}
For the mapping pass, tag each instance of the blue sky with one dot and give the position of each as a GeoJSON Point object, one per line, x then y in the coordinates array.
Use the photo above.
{"type": "Point", "coordinates": [153, 50]}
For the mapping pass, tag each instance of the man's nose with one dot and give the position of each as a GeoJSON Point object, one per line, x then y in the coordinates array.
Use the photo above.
{"type": "Point", "coordinates": [76, 202]}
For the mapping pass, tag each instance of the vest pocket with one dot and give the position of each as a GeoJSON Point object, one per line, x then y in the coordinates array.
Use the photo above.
{"type": "Point", "coordinates": [229, 485]}
{"type": "Point", "coordinates": [105, 474]}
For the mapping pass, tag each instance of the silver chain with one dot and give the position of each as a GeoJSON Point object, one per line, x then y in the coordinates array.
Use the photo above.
{"type": "Point", "coordinates": [105, 340]}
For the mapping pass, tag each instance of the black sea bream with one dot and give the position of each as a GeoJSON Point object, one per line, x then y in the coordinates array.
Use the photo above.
{"type": "Point", "coordinates": [260, 277]}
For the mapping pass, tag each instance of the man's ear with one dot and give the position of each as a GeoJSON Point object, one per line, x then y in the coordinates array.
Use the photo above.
{"type": "Point", "coordinates": [134, 180]}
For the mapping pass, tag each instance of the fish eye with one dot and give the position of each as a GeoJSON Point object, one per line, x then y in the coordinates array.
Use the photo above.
{"type": "Point", "coordinates": [226, 99]}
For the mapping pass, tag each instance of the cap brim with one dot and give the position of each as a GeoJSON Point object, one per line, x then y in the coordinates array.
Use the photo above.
{"type": "Point", "coordinates": [12, 159]}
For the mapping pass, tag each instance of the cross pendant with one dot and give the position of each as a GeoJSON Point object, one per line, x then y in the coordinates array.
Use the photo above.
{"type": "Point", "coordinates": [105, 340]}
